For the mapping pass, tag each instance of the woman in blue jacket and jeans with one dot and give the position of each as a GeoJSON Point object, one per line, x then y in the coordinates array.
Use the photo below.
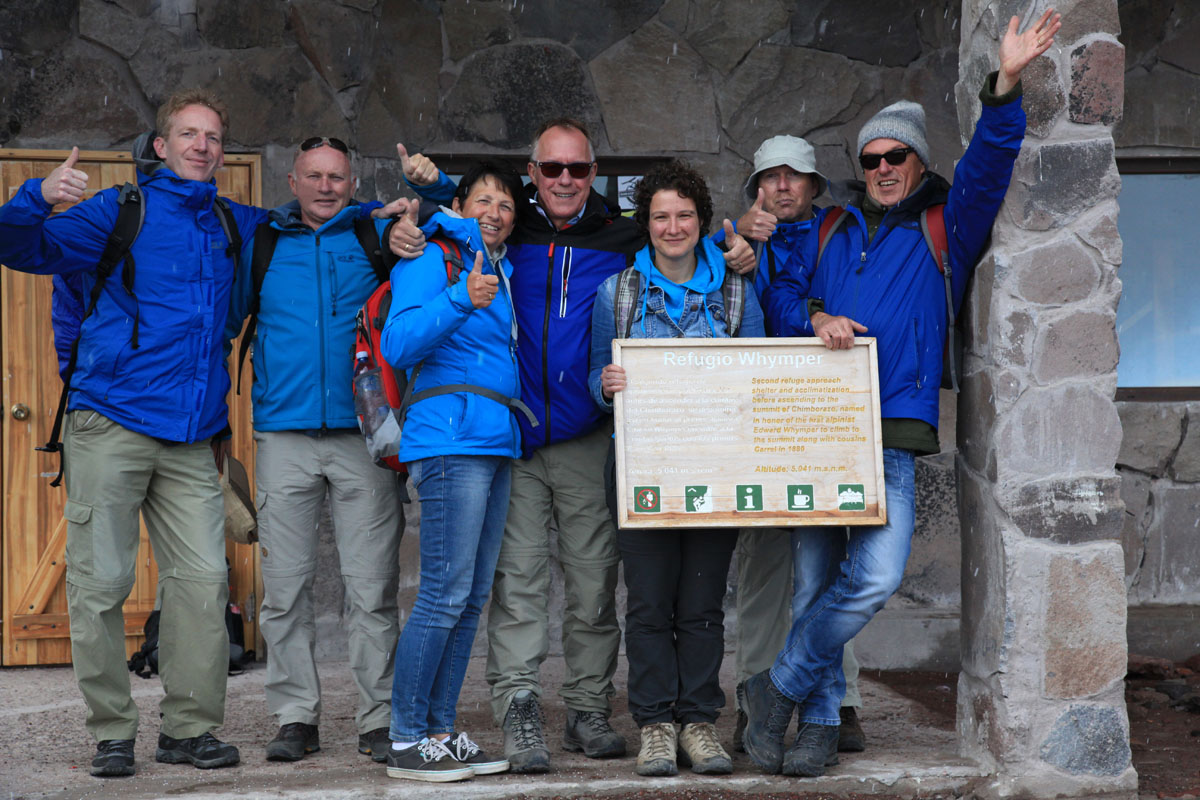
{"type": "Point", "coordinates": [675, 579]}
{"type": "Point", "coordinates": [457, 333]}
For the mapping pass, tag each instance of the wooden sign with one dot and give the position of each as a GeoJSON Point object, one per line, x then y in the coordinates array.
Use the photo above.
{"type": "Point", "coordinates": [748, 433]}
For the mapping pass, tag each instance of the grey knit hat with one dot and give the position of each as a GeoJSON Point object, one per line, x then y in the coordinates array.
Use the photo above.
{"type": "Point", "coordinates": [903, 121]}
{"type": "Point", "coordinates": [779, 150]}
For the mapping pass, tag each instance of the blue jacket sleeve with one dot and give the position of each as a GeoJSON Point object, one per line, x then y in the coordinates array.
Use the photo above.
{"type": "Point", "coordinates": [73, 241]}
{"type": "Point", "coordinates": [604, 330]}
{"type": "Point", "coordinates": [425, 311]}
{"type": "Point", "coordinates": [752, 316]}
{"type": "Point", "coordinates": [441, 192]}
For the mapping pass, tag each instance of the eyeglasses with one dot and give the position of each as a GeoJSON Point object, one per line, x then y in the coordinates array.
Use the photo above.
{"type": "Point", "coordinates": [552, 169]}
{"type": "Point", "coordinates": [894, 157]}
{"type": "Point", "coordinates": [314, 142]}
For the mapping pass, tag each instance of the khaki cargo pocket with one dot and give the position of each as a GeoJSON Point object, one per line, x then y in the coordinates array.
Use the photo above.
{"type": "Point", "coordinates": [80, 544]}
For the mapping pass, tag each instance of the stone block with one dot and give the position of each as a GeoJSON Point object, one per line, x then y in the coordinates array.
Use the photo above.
{"type": "Point", "coordinates": [35, 26]}
{"type": "Point", "coordinates": [1097, 82]}
{"type": "Point", "coordinates": [1062, 271]}
{"type": "Point", "coordinates": [1080, 345]}
{"type": "Point", "coordinates": [1169, 570]}
{"type": "Point", "coordinates": [1054, 183]}
{"type": "Point", "coordinates": [492, 102]}
{"type": "Point", "coordinates": [1089, 740]}
{"type": "Point", "coordinates": [1143, 29]}
{"type": "Point", "coordinates": [723, 33]}
{"type": "Point", "coordinates": [1099, 229]}
{"type": "Point", "coordinates": [1180, 48]}
{"type": "Point", "coordinates": [400, 99]}
{"type": "Point", "coordinates": [1087, 17]}
{"type": "Point", "coordinates": [1186, 465]}
{"type": "Point", "coordinates": [604, 23]}
{"type": "Point", "coordinates": [932, 576]}
{"type": "Point", "coordinates": [770, 93]}
{"type": "Point", "coordinates": [930, 81]}
{"type": "Point", "coordinates": [1135, 493]}
{"type": "Point", "coordinates": [103, 24]}
{"type": "Point", "coordinates": [648, 70]}
{"type": "Point", "coordinates": [975, 429]}
{"type": "Point", "coordinates": [836, 26]}
{"type": "Point", "coordinates": [1044, 97]}
{"type": "Point", "coordinates": [336, 40]}
{"type": "Point", "coordinates": [1085, 624]}
{"type": "Point", "coordinates": [1154, 432]}
{"type": "Point", "coordinates": [1011, 343]}
{"type": "Point", "coordinates": [234, 25]}
{"type": "Point", "coordinates": [1068, 510]}
{"type": "Point", "coordinates": [1065, 429]}
{"type": "Point", "coordinates": [1152, 116]}
{"type": "Point", "coordinates": [986, 621]}
{"type": "Point", "coordinates": [472, 25]}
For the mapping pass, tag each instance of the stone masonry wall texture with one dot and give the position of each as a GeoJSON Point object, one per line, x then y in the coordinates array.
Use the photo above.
{"type": "Point", "coordinates": [1043, 636]}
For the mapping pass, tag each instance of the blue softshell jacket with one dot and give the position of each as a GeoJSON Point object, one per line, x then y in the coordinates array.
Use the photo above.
{"type": "Point", "coordinates": [555, 277]}
{"type": "Point", "coordinates": [892, 286]}
{"type": "Point", "coordinates": [434, 323]}
{"type": "Point", "coordinates": [173, 385]}
{"type": "Point", "coordinates": [303, 341]}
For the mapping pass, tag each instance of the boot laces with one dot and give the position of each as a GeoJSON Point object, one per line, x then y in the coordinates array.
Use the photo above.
{"type": "Point", "coordinates": [656, 741]}
{"type": "Point", "coordinates": [527, 723]}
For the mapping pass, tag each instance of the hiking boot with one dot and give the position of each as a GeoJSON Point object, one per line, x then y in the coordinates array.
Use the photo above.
{"type": "Point", "coordinates": [524, 746]}
{"type": "Point", "coordinates": [658, 753]}
{"type": "Point", "coordinates": [375, 743]}
{"type": "Point", "coordinates": [113, 759]}
{"type": "Point", "coordinates": [739, 732]}
{"type": "Point", "coordinates": [815, 749]}
{"type": "Point", "coordinates": [466, 752]}
{"type": "Point", "coordinates": [588, 732]}
{"type": "Point", "coordinates": [768, 712]}
{"type": "Point", "coordinates": [851, 738]}
{"type": "Point", "coordinates": [699, 749]}
{"type": "Point", "coordinates": [427, 760]}
{"type": "Point", "coordinates": [203, 752]}
{"type": "Point", "coordinates": [294, 741]}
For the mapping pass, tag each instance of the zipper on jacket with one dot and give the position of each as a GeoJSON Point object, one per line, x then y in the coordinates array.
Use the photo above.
{"type": "Point", "coordinates": [320, 321]}
{"type": "Point", "coordinates": [568, 257]}
{"type": "Point", "coordinates": [546, 341]}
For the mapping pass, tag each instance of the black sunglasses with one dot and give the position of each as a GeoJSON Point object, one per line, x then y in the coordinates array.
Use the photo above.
{"type": "Point", "coordinates": [552, 169]}
{"type": "Point", "coordinates": [894, 157]}
{"type": "Point", "coordinates": [320, 141]}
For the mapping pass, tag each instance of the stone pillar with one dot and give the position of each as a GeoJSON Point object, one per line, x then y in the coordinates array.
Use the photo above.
{"type": "Point", "coordinates": [1041, 698]}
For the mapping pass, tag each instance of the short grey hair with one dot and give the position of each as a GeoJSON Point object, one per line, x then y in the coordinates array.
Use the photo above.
{"type": "Point", "coordinates": [570, 123]}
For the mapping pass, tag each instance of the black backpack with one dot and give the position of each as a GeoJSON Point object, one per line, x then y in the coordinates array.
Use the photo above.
{"type": "Point", "coordinates": [144, 662]}
{"type": "Point", "coordinates": [131, 213]}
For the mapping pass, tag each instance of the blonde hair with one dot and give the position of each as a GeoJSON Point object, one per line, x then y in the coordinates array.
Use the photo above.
{"type": "Point", "coordinates": [191, 97]}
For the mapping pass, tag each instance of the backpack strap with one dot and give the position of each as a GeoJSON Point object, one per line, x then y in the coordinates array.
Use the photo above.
{"type": "Point", "coordinates": [629, 288]}
{"type": "Point", "coordinates": [452, 256]}
{"type": "Point", "coordinates": [933, 228]}
{"type": "Point", "coordinates": [829, 226]}
{"type": "Point", "coordinates": [131, 214]}
{"type": "Point", "coordinates": [733, 295]}
{"type": "Point", "coordinates": [266, 236]}
{"type": "Point", "coordinates": [368, 237]}
{"type": "Point", "coordinates": [233, 236]}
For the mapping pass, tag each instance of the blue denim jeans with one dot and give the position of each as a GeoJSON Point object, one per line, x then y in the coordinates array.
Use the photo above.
{"type": "Point", "coordinates": [464, 500]}
{"type": "Point", "coordinates": [856, 574]}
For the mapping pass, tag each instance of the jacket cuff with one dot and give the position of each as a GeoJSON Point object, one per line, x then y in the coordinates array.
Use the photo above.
{"type": "Point", "coordinates": [815, 304]}
{"type": "Point", "coordinates": [988, 96]}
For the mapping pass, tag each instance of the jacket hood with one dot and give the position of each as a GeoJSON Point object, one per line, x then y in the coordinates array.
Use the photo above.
{"type": "Point", "coordinates": [193, 194]}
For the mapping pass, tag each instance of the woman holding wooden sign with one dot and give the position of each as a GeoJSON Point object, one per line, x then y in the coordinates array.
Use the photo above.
{"type": "Point", "coordinates": [674, 626]}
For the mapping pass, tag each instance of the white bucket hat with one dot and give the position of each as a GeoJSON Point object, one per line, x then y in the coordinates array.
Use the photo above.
{"type": "Point", "coordinates": [780, 150]}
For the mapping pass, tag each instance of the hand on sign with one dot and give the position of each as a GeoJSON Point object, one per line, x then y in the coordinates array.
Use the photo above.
{"type": "Point", "coordinates": [836, 332]}
{"type": "Point", "coordinates": [757, 224]}
{"type": "Point", "coordinates": [65, 184]}
{"type": "Point", "coordinates": [612, 380]}
{"type": "Point", "coordinates": [481, 288]}
{"type": "Point", "coordinates": [739, 255]}
{"type": "Point", "coordinates": [418, 169]}
{"type": "Point", "coordinates": [405, 239]}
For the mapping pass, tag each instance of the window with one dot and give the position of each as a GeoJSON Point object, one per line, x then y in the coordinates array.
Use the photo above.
{"type": "Point", "coordinates": [1158, 319]}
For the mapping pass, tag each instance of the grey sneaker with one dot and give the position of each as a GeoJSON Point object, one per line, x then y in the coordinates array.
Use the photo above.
{"type": "Point", "coordinates": [815, 749]}
{"type": "Point", "coordinates": [464, 751]}
{"type": "Point", "coordinates": [768, 713]}
{"type": "Point", "coordinates": [427, 760]}
{"type": "Point", "coordinates": [699, 749]}
{"type": "Point", "coordinates": [851, 738]}
{"type": "Point", "coordinates": [524, 745]}
{"type": "Point", "coordinates": [590, 733]}
{"type": "Point", "coordinates": [659, 744]}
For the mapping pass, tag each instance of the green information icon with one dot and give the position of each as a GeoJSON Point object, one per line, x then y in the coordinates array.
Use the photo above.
{"type": "Point", "coordinates": [647, 499]}
{"type": "Point", "coordinates": [697, 499]}
{"type": "Point", "coordinates": [852, 497]}
{"type": "Point", "coordinates": [800, 497]}
{"type": "Point", "coordinates": [749, 497]}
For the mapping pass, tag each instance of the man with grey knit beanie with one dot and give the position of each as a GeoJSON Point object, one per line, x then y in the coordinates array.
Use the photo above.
{"type": "Point", "coordinates": [871, 258]}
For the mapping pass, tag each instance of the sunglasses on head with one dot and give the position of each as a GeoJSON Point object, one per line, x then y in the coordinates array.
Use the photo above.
{"type": "Point", "coordinates": [894, 157]}
{"type": "Point", "coordinates": [578, 169]}
{"type": "Point", "coordinates": [314, 142]}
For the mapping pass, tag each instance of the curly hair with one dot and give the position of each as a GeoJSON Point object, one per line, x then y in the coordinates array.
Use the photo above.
{"type": "Point", "coordinates": [191, 97]}
{"type": "Point", "coordinates": [684, 179]}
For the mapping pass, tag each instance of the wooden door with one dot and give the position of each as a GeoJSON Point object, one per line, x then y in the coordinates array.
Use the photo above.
{"type": "Point", "coordinates": [34, 533]}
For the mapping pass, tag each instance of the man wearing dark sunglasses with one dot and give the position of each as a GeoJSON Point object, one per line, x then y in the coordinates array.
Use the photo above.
{"type": "Point", "coordinates": [877, 266]}
{"type": "Point", "coordinates": [317, 275]}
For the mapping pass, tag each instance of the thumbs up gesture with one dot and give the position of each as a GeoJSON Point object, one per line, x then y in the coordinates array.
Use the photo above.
{"type": "Point", "coordinates": [65, 184]}
{"type": "Point", "coordinates": [481, 288]}
{"type": "Point", "coordinates": [418, 169]}
{"type": "Point", "coordinates": [405, 239]}
{"type": "Point", "coordinates": [756, 223]}
{"type": "Point", "coordinates": [739, 255]}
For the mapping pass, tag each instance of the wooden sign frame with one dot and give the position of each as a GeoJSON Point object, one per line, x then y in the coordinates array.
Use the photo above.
{"type": "Point", "coordinates": [748, 433]}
